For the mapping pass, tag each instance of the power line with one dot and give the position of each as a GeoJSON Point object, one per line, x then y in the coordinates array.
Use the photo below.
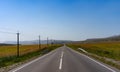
{"type": "Point", "coordinates": [5, 28]}
{"type": "Point", "coordinates": [7, 32]}
{"type": "Point", "coordinates": [17, 40]}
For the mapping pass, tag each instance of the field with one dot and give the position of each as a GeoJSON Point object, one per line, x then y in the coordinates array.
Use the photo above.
{"type": "Point", "coordinates": [12, 50]}
{"type": "Point", "coordinates": [105, 49]}
{"type": "Point", "coordinates": [8, 53]}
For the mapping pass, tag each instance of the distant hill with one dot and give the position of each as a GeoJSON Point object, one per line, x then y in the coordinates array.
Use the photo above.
{"type": "Point", "coordinates": [108, 39]}
{"type": "Point", "coordinates": [96, 40]}
{"type": "Point", "coordinates": [36, 42]}
{"type": "Point", "coordinates": [115, 38]}
{"type": "Point", "coordinates": [3, 44]}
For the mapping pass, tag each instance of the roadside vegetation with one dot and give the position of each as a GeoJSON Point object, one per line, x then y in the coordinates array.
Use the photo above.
{"type": "Point", "coordinates": [103, 50]}
{"type": "Point", "coordinates": [106, 49]}
{"type": "Point", "coordinates": [11, 50]}
{"type": "Point", "coordinates": [8, 53]}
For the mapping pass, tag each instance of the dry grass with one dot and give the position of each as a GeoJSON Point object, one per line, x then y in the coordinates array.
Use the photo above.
{"type": "Point", "coordinates": [106, 49]}
{"type": "Point", "coordinates": [11, 50]}
{"type": "Point", "coordinates": [8, 53]}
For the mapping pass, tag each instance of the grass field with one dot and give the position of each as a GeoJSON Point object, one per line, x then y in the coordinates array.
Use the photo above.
{"type": "Point", "coordinates": [8, 53]}
{"type": "Point", "coordinates": [11, 50]}
{"type": "Point", "coordinates": [106, 49]}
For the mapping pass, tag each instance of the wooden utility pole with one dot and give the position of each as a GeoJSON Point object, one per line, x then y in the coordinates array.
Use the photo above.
{"type": "Point", "coordinates": [18, 44]}
{"type": "Point", "coordinates": [47, 42]}
{"type": "Point", "coordinates": [51, 42]}
{"type": "Point", "coordinates": [39, 43]}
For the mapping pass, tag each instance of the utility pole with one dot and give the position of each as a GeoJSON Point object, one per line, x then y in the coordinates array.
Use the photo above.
{"type": "Point", "coordinates": [47, 42]}
{"type": "Point", "coordinates": [39, 43]}
{"type": "Point", "coordinates": [18, 44]}
{"type": "Point", "coordinates": [51, 42]}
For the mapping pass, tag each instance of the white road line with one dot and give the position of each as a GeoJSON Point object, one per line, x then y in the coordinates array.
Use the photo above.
{"type": "Point", "coordinates": [100, 64]}
{"type": "Point", "coordinates": [60, 66]}
{"type": "Point", "coordinates": [96, 62]}
{"type": "Point", "coordinates": [61, 60]}
{"type": "Point", "coordinates": [15, 70]}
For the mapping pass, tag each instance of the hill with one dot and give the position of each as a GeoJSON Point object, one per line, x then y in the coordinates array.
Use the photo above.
{"type": "Point", "coordinates": [96, 40]}
{"type": "Point", "coordinates": [3, 44]}
{"type": "Point", "coordinates": [36, 42]}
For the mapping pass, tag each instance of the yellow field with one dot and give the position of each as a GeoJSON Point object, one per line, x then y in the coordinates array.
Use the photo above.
{"type": "Point", "coordinates": [105, 49]}
{"type": "Point", "coordinates": [12, 50]}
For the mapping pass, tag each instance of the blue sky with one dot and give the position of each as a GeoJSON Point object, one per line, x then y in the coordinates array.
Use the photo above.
{"type": "Point", "coordinates": [59, 19]}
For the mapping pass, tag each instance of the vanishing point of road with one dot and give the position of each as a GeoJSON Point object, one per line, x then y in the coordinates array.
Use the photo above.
{"type": "Point", "coordinates": [64, 59]}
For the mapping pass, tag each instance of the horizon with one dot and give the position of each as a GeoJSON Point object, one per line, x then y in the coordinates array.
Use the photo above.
{"type": "Point", "coordinates": [74, 20]}
{"type": "Point", "coordinates": [57, 40]}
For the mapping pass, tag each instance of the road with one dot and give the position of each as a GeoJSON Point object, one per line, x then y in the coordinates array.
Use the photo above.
{"type": "Point", "coordinates": [64, 59]}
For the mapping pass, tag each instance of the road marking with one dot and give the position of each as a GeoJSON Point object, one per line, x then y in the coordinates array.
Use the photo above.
{"type": "Point", "coordinates": [61, 60]}
{"type": "Point", "coordinates": [101, 64]}
{"type": "Point", "coordinates": [95, 61]}
{"type": "Point", "coordinates": [60, 66]}
{"type": "Point", "coordinates": [15, 70]}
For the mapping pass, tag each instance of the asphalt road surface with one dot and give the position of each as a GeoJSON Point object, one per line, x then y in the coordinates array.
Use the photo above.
{"type": "Point", "coordinates": [64, 59]}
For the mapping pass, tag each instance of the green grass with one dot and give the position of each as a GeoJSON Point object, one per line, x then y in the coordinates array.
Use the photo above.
{"type": "Point", "coordinates": [6, 61]}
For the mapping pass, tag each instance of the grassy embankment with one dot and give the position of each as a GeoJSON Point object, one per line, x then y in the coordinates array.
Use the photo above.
{"type": "Point", "coordinates": [8, 53]}
{"type": "Point", "coordinates": [107, 49]}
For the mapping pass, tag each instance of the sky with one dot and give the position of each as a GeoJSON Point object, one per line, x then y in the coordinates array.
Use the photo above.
{"type": "Point", "coordinates": [59, 19]}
